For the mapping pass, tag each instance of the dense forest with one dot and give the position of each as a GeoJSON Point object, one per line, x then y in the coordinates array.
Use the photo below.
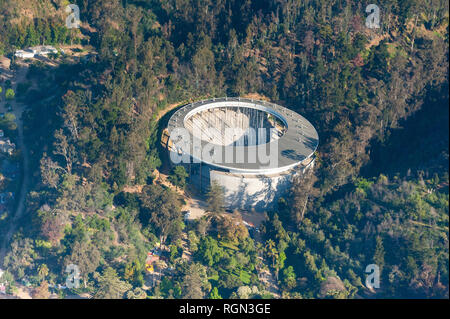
{"type": "Point", "coordinates": [377, 97]}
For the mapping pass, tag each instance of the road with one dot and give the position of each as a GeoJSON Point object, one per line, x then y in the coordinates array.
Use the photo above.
{"type": "Point", "coordinates": [18, 108]}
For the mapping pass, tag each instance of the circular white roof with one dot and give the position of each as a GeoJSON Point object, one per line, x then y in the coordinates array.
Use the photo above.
{"type": "Point", "coordinates": [299, 141]}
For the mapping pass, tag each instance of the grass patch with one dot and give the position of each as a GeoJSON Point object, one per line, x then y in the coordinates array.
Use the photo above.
{"type": "Point", "coordinates": [228, 245]}
{"type": "Point", "coordinates": [245, 277]}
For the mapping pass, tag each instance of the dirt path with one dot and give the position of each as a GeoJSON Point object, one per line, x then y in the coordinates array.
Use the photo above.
{"type": "Point", "coordinates": [167, 109]}
{"type": "Point", "coordinates": [18, 109]}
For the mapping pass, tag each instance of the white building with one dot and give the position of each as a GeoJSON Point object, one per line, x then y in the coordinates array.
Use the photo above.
{"type": "Point", "coordinates": [24, 54]}
{"type": "Point", "coordinates": [42, 50]}
{"type": "Point", "coordinates": [213, 140]}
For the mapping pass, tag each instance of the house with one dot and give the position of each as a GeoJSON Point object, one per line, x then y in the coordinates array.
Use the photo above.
{"type": "Point", "coordinates": [24, 54]}
{"type": "Point", "coordinates": [42, 50]}
{"type": "Point", "coordinates": [151, 258]}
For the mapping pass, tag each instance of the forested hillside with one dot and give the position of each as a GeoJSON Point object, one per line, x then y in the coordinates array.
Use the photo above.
{"type": "Point", "coordinates": [377, 97]}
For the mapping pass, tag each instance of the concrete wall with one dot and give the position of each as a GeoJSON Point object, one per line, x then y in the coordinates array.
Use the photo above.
{"type": "Point", "coordinates": [258, 192]}
{"type": "Point", "coordinates": [252, 191]}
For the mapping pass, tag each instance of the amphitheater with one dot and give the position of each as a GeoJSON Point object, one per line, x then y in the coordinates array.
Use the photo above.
{"type": "Point", "coordinates": [251, 148]}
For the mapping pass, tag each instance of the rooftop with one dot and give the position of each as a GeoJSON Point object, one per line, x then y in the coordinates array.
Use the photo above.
{"type": "Point", "coordinates": [298, 143]}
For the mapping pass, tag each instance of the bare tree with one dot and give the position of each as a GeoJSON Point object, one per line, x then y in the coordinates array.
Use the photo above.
{"type": "Point", "coordinates": [49, 171]}
{"type": "Point", "coordinates": [63, 148]}
{"type": "Point", "coordinates": [301, 192]}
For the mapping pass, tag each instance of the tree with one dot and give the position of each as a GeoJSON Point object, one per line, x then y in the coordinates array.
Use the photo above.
{"type": "Point", "coordinates": [86, 256]}
{"type": "Point", "coordinates": [203, 69]}
{"type": "Point", "coordinates": [71, 109]}
{"type": "Point", "coordinates": [178, 176]}
{"type": "Point", "coordinates": [231, 229]}
{"type": "Point", "coordinates": [333, 288]}
{"type": "Point", "coordinates": [215, 199]}
{"type": "Point", "coordinates": [110, 286]}
{"type": "Point", "coordinates": [215, 294]}
{"type": "Point", "coordinates": [41, 291]}
{"type": "Point", "coordinates": [49, 171]}
{"type": "Point", "coordinates": [271, 251]}
{"type": "Point", "coordinates": [20, 257]}
{"type": "Point", "coordinates": [209, 251]}
{"type": "Point", "coordinates": [51, 223]}
{"type": "Point", "coordinates": [289, 280]}
{"type": "Point", "coordinates": [137, 293]}
{"type": "Point", "coordinates": [133, 273]}
{"type": "Point", "coordinates": [160, 210]}
{"type": "Point", "coordinates": [64, 148]}
{"type": "Point", "coordinates": [378, 257]}
{"type": "Point", "coordinates": [195, 282]}
{"type": "Point", "coordinates": [302, 190]}
{"type": "Point", "coordinates": [42, 272]}
{"type": "Point", "coordinates": [9, 94]}
{"type": "Point", "coordinates": [244, 292]}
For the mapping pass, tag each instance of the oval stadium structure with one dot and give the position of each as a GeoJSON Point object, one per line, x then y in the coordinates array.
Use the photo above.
{"type": "Point", "coordinates": [251, 148]}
